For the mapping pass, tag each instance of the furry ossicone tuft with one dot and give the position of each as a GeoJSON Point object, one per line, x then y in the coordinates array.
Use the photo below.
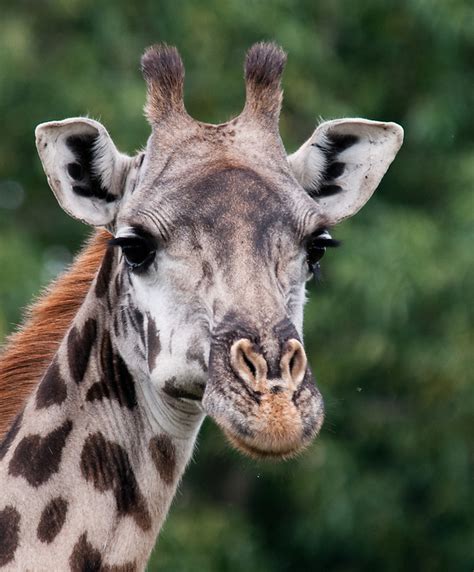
{"type": "Point", "coordinates": [264, 66]}
{"type": "Point", "coordinates": [163, 71]}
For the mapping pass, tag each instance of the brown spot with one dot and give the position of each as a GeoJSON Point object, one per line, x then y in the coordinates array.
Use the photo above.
{"type": "Point", "coordinates": [9, 534]}
{"type": "Point", "coordinates": [38, 458]}
{"type": "Point", "coordinates": [52, 389]}
{"type": "Point", "coordinates": [207, 271]}
{"type": "Point", "coordinates": [137, 320]}
{"type": "Point", "coordinates": [116, 326]}
{"type": "Point", "coordinates": [103, 277]}
{"type": "Point", "coordinates": [84, 557]}
{"type": "Point", "coordinates": [10, 436]}
{"type": "Point", "coordinates": [52, 519]}
{"type": "Point", "coordinates": [153, 343]}
{"type": "Point", "coordinates": [163, 453]}
{"type": "Point", "coordinates": [79, 348]}
{"type": "Point", "coordinates": [197, 355]}
{"type": "Point", "coordinates": [124, 323]}
{"type": "Point", "coordinates": [107, 466]}
{"type": "Point", "coordinates": [117, 382]}
{"type": "Point", "coordinates": [118, 284]}
{"type": "Point", "coordinates": [98, 391]}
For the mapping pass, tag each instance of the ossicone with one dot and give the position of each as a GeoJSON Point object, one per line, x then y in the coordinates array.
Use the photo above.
{"type": "Point", "coordinates": [264, 67]}
{"type": "Point", "coordinates": [163, 71]}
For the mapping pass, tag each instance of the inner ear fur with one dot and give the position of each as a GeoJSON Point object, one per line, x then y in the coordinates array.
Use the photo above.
{"type": "Point", "coordinates": [343, 162]}
{"type": "Point", "coordinates": [84, 168]}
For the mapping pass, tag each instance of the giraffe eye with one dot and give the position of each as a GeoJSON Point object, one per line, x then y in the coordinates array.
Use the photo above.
{"type": "Point", "coordinates": [138, 251]}
{"type": "Point", "coordinates": [316, 247]}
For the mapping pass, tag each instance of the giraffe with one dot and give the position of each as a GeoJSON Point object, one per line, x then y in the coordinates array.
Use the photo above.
{"type": "Point", "coordinates": [187, 302]}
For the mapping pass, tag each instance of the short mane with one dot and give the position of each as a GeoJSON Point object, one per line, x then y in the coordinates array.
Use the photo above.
{"type": "Point", "coordinates": [29, 351]}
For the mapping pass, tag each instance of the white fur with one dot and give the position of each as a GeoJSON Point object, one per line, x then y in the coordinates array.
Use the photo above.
{"type": "Point", "coordinates": [366, 162]}
{"type": "Point", "coordinates": [308, 164]}
{"type": "Point", "coordinates": [110, 165]}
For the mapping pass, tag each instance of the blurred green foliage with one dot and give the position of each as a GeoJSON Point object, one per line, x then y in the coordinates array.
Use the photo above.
{"type": "Point", "coordinates": [388, 485]}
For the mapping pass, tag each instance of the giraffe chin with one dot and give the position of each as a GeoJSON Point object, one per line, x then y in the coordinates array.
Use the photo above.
{"type": "Point", "coordinates": [277, 452]}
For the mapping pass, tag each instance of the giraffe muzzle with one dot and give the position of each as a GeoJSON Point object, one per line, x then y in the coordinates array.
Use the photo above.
{"type": "Point", "coordinates": [266, 407]}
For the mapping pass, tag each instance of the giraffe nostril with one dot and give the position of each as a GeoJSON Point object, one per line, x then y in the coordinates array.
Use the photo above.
{"type": "Point", "coordinates": [248, 363]}
{"type": "Point", "coordinates": [294, 362]}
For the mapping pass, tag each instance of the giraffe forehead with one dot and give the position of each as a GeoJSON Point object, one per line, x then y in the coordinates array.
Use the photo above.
{"type": "Point", "coordinates": [230, 203]}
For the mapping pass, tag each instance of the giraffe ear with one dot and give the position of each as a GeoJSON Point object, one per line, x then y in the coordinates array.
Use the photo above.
{"type": "Point", "coordinates": [84, 169]}
{"type": "Point", "coordinates": [343, 162]}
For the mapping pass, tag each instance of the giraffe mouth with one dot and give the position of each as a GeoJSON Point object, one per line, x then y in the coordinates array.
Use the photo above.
{"type": "Point", "coordinates": [248, 449]}
{"type": "Point", "coordinates": [265, 424]}
{"type": "Point", "coordinates": [192, 391]}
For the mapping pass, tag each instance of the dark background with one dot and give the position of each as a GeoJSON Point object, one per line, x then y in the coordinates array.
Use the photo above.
{"type": "Point", "coordinates": [388, 485]}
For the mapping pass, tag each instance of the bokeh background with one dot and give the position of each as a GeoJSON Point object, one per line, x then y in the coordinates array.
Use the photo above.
{"type": "Point", "coordinates": [389, 331]}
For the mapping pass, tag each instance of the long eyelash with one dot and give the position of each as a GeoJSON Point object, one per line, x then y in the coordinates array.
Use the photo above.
{"type": "Point", "coordinates": [322, 239]}
{"type": "Point", "coordinates": [319, 241]}
{"type": "Point", "coordinates": [327, 242]}
{"type": "Point", "coordinates": [131, 240]}
{"type": "Point", "coordinates": [122, 240]}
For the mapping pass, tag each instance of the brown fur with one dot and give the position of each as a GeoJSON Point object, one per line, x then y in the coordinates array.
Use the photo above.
{"type": "Point", "coordinates": [29, 351]}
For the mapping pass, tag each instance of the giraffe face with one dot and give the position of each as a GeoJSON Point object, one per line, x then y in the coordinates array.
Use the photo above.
{"type": "Point", "coordinates": [216, 232]}
{"type": "Point", "coordinates": [235, 262]}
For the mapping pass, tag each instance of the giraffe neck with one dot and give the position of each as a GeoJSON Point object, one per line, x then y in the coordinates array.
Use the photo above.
{"type": "Point", "coordinates": [91, 465]}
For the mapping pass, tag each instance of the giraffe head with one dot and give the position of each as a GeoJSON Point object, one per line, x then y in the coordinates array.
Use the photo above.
{"type": "Point", "coordinates": [216, 232]}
